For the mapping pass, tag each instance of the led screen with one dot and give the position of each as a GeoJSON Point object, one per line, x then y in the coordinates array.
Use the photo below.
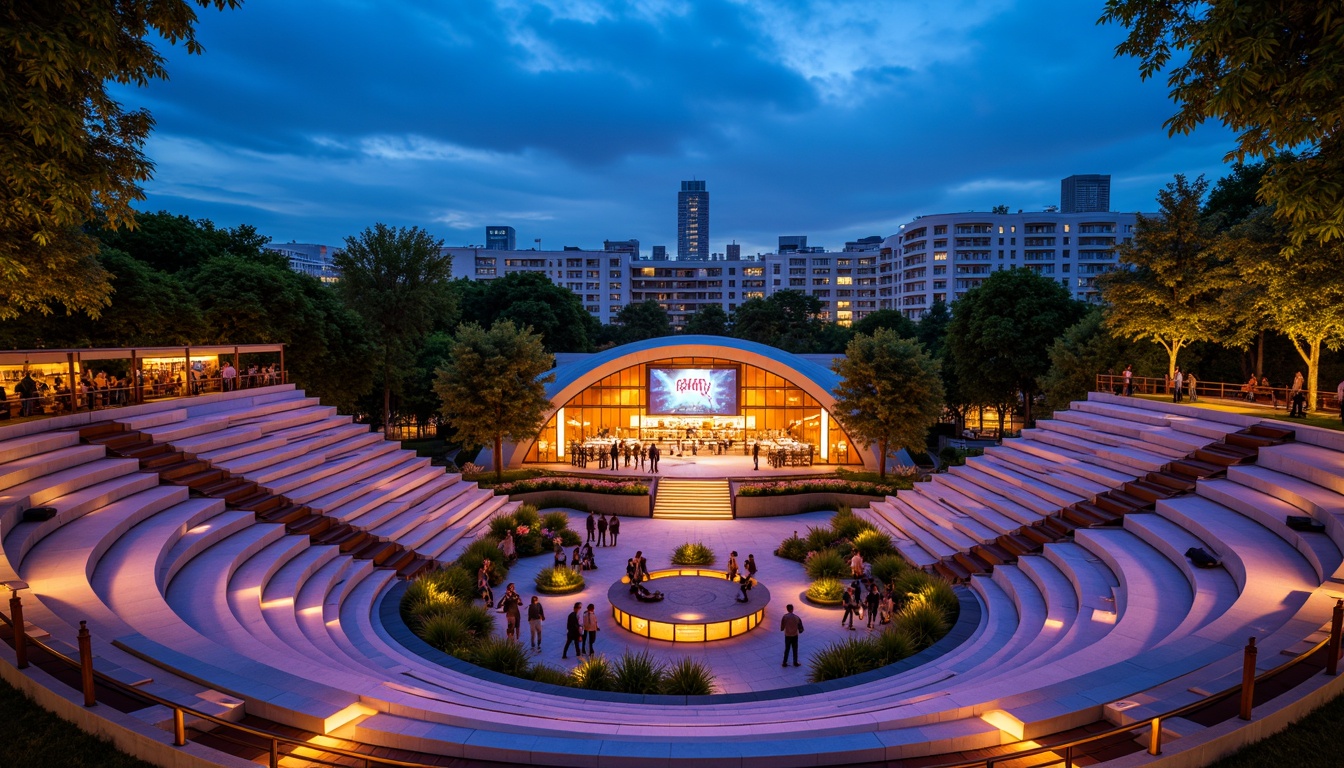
{"type": "Point", "coordinates": [693, 392]}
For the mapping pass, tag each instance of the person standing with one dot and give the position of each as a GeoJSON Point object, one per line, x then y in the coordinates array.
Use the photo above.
{"type": "Point", "coordinates": [856, 565]}
{"type": "Point", "coordinates": [536, 614]}
{"type": "Point", "coordinates": [1129, 380]}
{"type": "Point", "coordinates": [27, 389]}
{"type": "Point", "coordinates": [573, 632]}
{"type": "Point", "coordinates": [643, 456]}
{"type": "Point", "coordinates": [615, 456]}
{"type": "Point", "coordinates": [614, 528]}
{"type": "Point", "coordinates": [591, 525]}
{"type": "Point", "coordinates": [732, 565]}
{"type": "Point", "coordinates": [850, 604]}
{"type": "Point", "coordinates": [483, 584]}
{"type": "Point", "coordinates": [654, 455]}
{"type": "Point", "coordinates": [750, 567]}
{"type": "Point", "coordinates": [1192, 384]}
{"type": "Point", "coordinates": [602, 530]}
{"type": "Point", "coordinates": [1294, 396]}
{"type": "Point", "coordinates": [559, 552]}
{"type": "Point", "coordinates": [509, 605]}
{"type": "Point", "coordinates": [791, 624]}
{"type": "Point", "coordinates": [228, 376]}
{"type": "Point", "coordinates": [509, 548]}
{"type": "Point", "coordinates": [744, 584]}
{"type": "Point", "coordinates": [756, 455]}
{"type": "Point", "coordinates": [1339, 399]}
{"type": "Point", "coordinates": [874, 600]}
{"type": "Point", "coordinates": [590, 627]}
{"type": "Point", "coordinates": [1176, 383]}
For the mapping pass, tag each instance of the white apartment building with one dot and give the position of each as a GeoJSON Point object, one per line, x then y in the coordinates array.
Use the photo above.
{"type": "Point", "coordinates": [938, 257]}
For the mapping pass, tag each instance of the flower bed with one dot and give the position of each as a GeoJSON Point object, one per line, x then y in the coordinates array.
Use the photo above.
{"type": "Point", "coordinates": [818, 485]}
{"type": "Point", "coordinates": [574, 484]}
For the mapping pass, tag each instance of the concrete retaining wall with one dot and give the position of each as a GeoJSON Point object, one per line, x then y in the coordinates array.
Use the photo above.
{"type": "Point", "coordinates": [797, 503]}
{"type": "Point", "coordinates": [609, 503]}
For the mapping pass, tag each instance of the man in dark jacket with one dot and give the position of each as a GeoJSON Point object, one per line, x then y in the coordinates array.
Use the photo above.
{"type": "Point", "coordinates": [572, 633]}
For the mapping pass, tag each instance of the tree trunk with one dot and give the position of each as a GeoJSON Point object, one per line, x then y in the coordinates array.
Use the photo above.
{"type": "Point", "coordinates": [882, 465]}
{"type": "Point", "coordinates": [1260, 356]}
{"type": "Point", "coordinates": [499, 458]}
{"type": "Point", "coordinates": [1027, 398]}
{"type": "Point", "coordinates": [1313, 374]}
{"type": "Point", "coordinates": [387, 400]}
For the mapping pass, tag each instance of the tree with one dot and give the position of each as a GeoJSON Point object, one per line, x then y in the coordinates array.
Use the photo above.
{"type": "Point", "coordinates": [1169, 286]}
{"type": "Point", "coordinates": [999, 209]}
{"type": "Point", "coordinates": [889, 393]}
{"type": "Point", "coordinates": [1086, 349]}
{"type": "Point", "coordinates": [493, 387]}
{"type": "Point", "coordinates": [1268, 70]}
{"type": "Point", "coordinates": [531, 299]}
{"type": "Point", "coordinates": [708, 320]}
{"type": "Point", "coordinates": [642, 320]}
{"type": "Point", "coordinates": [70, 154]}
{"type": "Point", "coordinates": [171, 243]}
{"type": "Point", "coordinates": [932, 328]}
{"type": "Point", "coordinates": [398, 281]}
{"type": "Point", "coordinates": [787, 320]}
{"type": "Point", "coordinates": [1299, 291]}
{"type": "Point", "coordinates": [891, 319]}
{"type": "Point", "coordinates": [1001, 332]}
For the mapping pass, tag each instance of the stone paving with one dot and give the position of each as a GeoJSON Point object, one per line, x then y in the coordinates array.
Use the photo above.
{"type": "Point", "coordinates": [747, 663]}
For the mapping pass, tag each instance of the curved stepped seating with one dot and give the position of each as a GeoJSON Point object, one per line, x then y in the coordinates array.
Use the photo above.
{"type": "Point", "coordinates": [212, 597]}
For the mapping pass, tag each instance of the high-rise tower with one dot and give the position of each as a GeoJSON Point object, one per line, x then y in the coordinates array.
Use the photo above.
{"type": "Point", "coordinates": [1085, 193]}
{"type": "Point", "coordinates": [693, 221]}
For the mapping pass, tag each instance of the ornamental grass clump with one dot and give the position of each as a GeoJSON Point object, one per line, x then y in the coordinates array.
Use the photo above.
{"type": "Point", "coordinates": [873, 544]}
{"type": "Point", "coordinates": [446, 632]}
{"type": "Point", "coordinates": [638, 673]}
{"type": "Point", "coordinates": [828, 563]}
{"type": "Point", "coordinates": [482, 549]}
{"type": "Point", "coordinates": [792, 548]}
{"type": "Point", "coordinates": [887, 568]}
{"type": "Point", "coordinates": [692, 553]}
{"type": "Point", "coordinates": [848, 525]}
{"type": "Point", "coordinates": [545, 673]}
{"type": "Point", "coordinates": [594, 673]}
{"type": "Point", "coordinates": [559, 581]}
{"type": "Point", "coordinates": [501, 655]}
{"type": "Point", "coordinates": [820, 538]}
{"type": "Point", "coordinates": [925, 622]}
{"type": "Point", "coordinates": [848, 657]}
{"type": "Point", "coordinates": [688, 677]}
{"type": "Point", "coordinates": [826, 591]}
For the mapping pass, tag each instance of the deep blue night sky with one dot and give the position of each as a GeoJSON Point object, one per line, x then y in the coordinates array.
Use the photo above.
{"type": "Point", "coordinates": [575, 120]}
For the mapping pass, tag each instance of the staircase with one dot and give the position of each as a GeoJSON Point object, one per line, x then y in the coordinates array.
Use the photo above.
{"type": "Point", "coordinates": [1109, 508]}
{"type": "Point", "coordinates": [693, 500]}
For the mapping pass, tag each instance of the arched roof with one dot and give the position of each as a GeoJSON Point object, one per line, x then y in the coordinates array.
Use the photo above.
{"type": "Point", "coordinates": [575, 373]}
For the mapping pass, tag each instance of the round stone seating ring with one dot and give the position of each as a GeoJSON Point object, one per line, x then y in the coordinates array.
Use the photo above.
{"type": "Point", "coordinates": [698, 605]}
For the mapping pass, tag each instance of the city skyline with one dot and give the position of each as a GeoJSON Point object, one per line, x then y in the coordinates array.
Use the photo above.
{"type": "Point", "coordinates": [574, 124]}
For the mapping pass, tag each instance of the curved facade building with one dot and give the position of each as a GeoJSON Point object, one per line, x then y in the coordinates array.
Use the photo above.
{"type": "Point", "coordinates": [713, 389]}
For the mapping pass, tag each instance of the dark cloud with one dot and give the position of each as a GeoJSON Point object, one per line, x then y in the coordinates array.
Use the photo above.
{"type": "Point", "coordinates": [575, 121]}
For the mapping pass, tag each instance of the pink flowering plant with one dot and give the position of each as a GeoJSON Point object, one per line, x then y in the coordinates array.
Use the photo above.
{"type": "Point", "coordinates": [578, 484]}
{"type": "Point", "coordinates": [819, 485]}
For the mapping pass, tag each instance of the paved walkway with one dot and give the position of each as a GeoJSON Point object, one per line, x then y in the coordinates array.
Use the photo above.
{"type": "Point", "coordinates": [747, 663]}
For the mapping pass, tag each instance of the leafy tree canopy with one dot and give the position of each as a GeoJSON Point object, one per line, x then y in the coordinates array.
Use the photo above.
{"type": "Point", "coordinates": [889, 393]}
{"type": "Point", "coordinates": [1001, 332]}
{"type": "Point", "coordinates": [642, 320]}
{"type": "Point", "coordinates": [170, 243]}
{"type": "Point", "coordinates": [493, 386]}
{"type": "Point", "coordinates": [530, 299]}
{"type": "Point", "coordinates": [891, 319]}
{"type": "Point", "coordinates": [1270, 71]}
{"type": "Point", "coordinates": [932, 328]}
{"type": "Point", "coordinates": [788, 320]}
{"type": "Point", "coordinates": [708, 320]}
{"type": "Point", "coordinates": [70, 154]}
{"type": "Point", "coordinates": [1087, 349]}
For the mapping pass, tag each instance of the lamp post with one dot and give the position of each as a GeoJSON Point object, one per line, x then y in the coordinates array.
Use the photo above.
{"type": "Point", "coordinates": [16, 616]}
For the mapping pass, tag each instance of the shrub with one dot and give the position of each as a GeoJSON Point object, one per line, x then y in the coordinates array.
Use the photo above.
{"type": "Point", "coordinates": [688, 677]}
{"type": "Point", "coordinates": [792, 548]}
{"type": "Point", "coordinates": [570, 538]}
{"type": "Point", "coordinates": [544, 673]}
{"type": "Point", "coordinates": [887, 568]}
{"type": "Point", "coordinates": [638, 673]}
{"type": "Point", "coordinates": [555, 521]}
{"type": "Point", "coordinates": [873, 544]}
{"type": "Point", "coordinates": [527, 515]}
{"type": "Point", "coordinates": [826, 563]}
{"type": "Point", "coordinates": [820, 538]}
{"type": "Point", "coordinates": [893, 645]}
{"type": "Point", "coordinates": [923, 621]}
{"type": "Point", "coordinates": [481, 549]}
{"type": "Point", "coordinates": [826, 591]}
{"type": "Point", "coordinates": [938, 592]}
{"type": "Point", "coordinates": [455, 581]}
{"type": "Point", "coordinates": [500, 525]}
{"type": "Point", "coordinates": [447, 632]}
{"type": "Point", "coordinates": [692, 553]}
{"type": "Point", "coordinates": [594, 673]}
{"type": "Point", "coordinates": [907, 585]}
{"type": "Point", "coordinates": [848, 525]}
{"type": "Point", "coordinates": [499, 654]}
{"type": "Point", "coordinates": [558, 581]}
{"type": "Point", "coordinates": [847, 657]}
{"type": "Point", "coordinates": [578, 484]}
{"type": "Point", "coordinates": [478, 619]}
{"type": "Point", "coordinates": [824, 485]}
{"type": "Point", "coordinates": [531, 544]}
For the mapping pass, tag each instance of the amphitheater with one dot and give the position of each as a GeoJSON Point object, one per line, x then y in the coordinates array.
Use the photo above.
{"type": "Point", "coordinates": [230, 555]}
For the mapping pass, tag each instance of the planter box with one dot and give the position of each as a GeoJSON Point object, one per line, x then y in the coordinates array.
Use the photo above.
{"type": "Point", "coordinates": [797, 503]}
{"type": "Point", "coordinates": [609, 503]}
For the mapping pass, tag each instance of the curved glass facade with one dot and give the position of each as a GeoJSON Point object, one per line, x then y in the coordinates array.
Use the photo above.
{"type": "Point", "coordinates": [770, 408]}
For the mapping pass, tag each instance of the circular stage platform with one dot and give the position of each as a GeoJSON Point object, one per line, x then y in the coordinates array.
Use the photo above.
{"type": "Point", "coordinates": [699, 605]}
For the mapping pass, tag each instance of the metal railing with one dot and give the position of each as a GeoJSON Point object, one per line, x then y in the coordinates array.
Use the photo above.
{"type": "Point", "coordinates": [1277, 397]}
{"type": "Point", "coordinates": [1075, 747]}
{"type": "Point", "coordinates": [67, 381]}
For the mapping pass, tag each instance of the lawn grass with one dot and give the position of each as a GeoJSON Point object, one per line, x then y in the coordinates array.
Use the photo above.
{"type": "Point", "coordinates": [1322, 419]}
{"type": "Point", "coordinates": [35, 738]}
{"type": "Point", "coordinates": [1316, 741]}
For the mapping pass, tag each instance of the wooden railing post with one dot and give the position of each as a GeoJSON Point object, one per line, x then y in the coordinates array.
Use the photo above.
{"type": "Point", "coordinates": [1155, 738]}
{"type": "Point", "coordinates": [179, 727]}
{"type": "Point", "coordinates": [275, 753]}
{"type": "Point", "coordinates": [1332, 650]}
{"type": "Point", "coordinates": [86, 664]}
{"type": "Point", "coordinates": [20, 637]}
{"type": "Point", "coordinates": [1248, 679]}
